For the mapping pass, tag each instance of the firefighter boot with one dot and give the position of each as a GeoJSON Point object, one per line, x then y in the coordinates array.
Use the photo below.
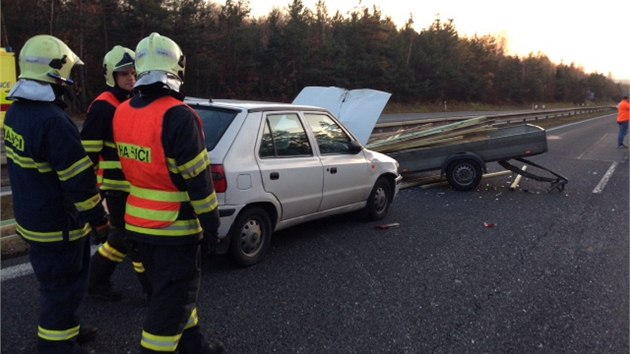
{"type": "Point", "coordinates": [101, 270]}
{"type": "Point", "coordinates": [193, 342]}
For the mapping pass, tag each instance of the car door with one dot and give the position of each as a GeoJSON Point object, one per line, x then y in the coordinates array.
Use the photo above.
{"type": "Point", "coordinates": [290, 169]}
{"type": "Point", "coordinates": [346, 172]}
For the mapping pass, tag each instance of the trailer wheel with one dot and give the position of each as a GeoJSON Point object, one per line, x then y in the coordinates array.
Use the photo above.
{"type": "Point", "coordinates": [464, 174]}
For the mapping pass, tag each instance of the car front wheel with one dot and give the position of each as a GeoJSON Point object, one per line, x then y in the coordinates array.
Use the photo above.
{"type": "Point", "coordinates": [250, 236]}
{"type": "Point", "coordinates": [380, 199]}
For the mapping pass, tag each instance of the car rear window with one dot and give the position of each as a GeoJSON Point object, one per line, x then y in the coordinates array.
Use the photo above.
{"type": "Point", "coordinates": [215, 122]}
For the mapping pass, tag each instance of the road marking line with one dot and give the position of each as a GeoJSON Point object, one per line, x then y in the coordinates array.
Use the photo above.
{"type": "Point", "coordinates": [602, 183]}
{"type": "Point", "coordinates": [16, 271]}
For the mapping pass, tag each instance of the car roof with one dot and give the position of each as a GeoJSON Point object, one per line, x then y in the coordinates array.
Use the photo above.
{"type": "Point", "coordinates": [251, 106]}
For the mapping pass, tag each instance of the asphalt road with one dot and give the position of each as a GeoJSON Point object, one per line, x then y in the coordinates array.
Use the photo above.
{"type": "Point", "coordinates": [550, 276]}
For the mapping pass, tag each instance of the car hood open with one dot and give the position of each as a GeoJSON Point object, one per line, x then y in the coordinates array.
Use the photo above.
{"type": "Point", "coordinates": [358, 109]}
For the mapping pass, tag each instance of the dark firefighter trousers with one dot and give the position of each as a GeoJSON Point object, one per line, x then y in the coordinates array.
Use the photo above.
{"type": "Point", "coordinates": [174, 273]}
{"type": "Point", "coordinates": [62, 270]}
{"type": "Point", "coordinates": [116, 248]}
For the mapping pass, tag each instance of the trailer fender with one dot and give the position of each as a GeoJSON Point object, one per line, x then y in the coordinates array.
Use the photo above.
{"type": "Point", "coordinates": [463, 155]}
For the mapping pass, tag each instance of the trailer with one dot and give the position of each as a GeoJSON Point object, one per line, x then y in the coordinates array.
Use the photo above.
{"type": "Point", "coordinates": [464, 163]}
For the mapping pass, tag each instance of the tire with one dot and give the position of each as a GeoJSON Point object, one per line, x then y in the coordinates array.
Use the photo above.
{"type": "Point", "coordinates": [379, 200]}
{"type": "Point", "coordinates": [250, 236]}
{"type": "Point", "coordinates": [464, 174]}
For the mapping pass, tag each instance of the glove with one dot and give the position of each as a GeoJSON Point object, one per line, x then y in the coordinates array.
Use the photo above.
{"type": "Point", "coordinates": [210, 241]}
{"type": "Point", "coordinates": [100, 230]}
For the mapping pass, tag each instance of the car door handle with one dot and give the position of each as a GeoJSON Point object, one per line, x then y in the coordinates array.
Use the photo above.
{"type": "Point", "coordinates": [332, 170]}
{"type": "Point", "coordinates": [274, 175]}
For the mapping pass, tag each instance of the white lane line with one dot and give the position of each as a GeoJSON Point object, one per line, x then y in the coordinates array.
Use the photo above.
{"type": "Point", "coordinates": [15, 271]}
{"type": "Point", "coordinates": [602, 183]}
{"type": "Point", "coordinates": [24, 269]}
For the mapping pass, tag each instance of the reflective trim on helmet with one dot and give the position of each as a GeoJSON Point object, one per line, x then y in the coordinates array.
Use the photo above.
{"type": "Point", "coordinates": [171, 81]}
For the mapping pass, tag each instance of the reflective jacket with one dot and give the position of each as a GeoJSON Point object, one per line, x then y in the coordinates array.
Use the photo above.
{"type": "Point", "coordinates": [624, 111]}
{"type": "Point", "coordinates": [52, 178]}
{"type": "Point", "coordinates": [98, 140]}
{"type": "Point", "coordinates": [161, 149]}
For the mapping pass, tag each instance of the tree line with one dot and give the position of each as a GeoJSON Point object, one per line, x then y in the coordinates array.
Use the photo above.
{"type": "Point", "coordinates": [231, 54]}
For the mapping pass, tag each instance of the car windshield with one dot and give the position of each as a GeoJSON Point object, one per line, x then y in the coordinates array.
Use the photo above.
{"type": "Point", "coordinates": [215, 123]}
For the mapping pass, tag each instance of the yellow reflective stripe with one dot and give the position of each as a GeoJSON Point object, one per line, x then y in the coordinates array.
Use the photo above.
{"type": "Point", "coordinates": [88, 203]}
{"type": "Point", "coordinates": [138, 267]}
{"type": "Point", "coordinates": [113, 184]}
{"type": "Point", "coordinates": [193, 320]}
{"type": "Point", "coordinates": [159, 196]}
{"type": "Point", "coordinates": [177, 228]}
{"type": "Point", "coordinates": [172, 165]}
{"type": "Point", "coordinates": [92, 145]}
{"type": "Point", "coordinates": [160, 343]}
{"type": "Point", "coordinates": [109, 165]}
{"type": "Point", "coordinates": [195, 166]}
{"type": "Point", "coordinates": [110, 144]}
{"type": "Point", "coordinates": [109, 252]}
{"type": "Point", "coordinates": [206, 204]}
{"type": "Point", "coordinates": [76, 168]}
{"type": "Point", "coordinates": [27, 162]}
{"type": "Point", "coordinates": [151, 214]}
{"type": "Point", "coordinates": [57, 335]}
{"type": "Point", "coordinates": [53, 236]}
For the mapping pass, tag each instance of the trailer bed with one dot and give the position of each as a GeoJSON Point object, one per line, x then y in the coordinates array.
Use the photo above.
{"type": "Point", "coordinates": [502, 144]}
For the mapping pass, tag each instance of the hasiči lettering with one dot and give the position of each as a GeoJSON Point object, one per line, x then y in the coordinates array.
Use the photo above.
{"type": "Point", "coordinates": [15, 139]}
{"type": "Point", "coordinates": [134, 152]}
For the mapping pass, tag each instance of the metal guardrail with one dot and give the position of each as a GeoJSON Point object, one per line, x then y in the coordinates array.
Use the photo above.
{"type": "Point", "coordinates": [506, 118]}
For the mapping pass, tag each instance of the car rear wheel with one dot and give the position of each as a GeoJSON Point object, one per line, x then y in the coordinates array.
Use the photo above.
{"type": "Point", "coordinates": [380, 199]}
{"type": "Point", "coordinates": [250, 236]}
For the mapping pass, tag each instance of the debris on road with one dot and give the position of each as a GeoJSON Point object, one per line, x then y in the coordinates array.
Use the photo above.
{"type": "Point", "coordinates": [387, 226]}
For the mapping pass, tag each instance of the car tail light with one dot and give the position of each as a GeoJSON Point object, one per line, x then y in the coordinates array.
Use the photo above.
{"type": "Point", "coordinates": [218, 178]}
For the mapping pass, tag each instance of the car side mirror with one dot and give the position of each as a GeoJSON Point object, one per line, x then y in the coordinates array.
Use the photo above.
{"type": "Point", "coordinates": [355, 147]}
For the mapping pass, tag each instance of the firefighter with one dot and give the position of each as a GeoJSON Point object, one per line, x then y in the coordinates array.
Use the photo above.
{"type": "Point", "coordinates": [98, 140]}
{"type": "Point", "coordinates": [172, 204]}
{"type": "Point", "coordinates": [55, 198]}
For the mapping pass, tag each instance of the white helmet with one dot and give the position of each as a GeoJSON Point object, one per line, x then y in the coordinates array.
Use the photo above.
{"type": "Point", "coordinates": [159, 59]}
{"type": "Point", "coordinates": [117, 59]}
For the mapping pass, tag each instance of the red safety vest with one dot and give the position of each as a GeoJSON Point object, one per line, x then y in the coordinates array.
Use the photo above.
{"type": "Point", "coordinates": [154, 200]}
{"type": "Point", "coordinates": [624, 111]}
{"type": "Point", "coordinates": [105, 159]}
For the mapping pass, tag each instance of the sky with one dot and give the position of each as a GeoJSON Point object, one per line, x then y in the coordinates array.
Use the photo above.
{"type": "Point", "coordinates": [593, 35]}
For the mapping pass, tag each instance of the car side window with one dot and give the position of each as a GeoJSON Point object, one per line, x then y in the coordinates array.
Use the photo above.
{"type": "Point", "coordinates": [283, 136]}
{"type": "Point", "coordinates": [331, 138]}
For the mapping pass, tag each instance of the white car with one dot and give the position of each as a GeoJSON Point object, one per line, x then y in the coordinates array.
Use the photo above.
{"type": "Point", "coordinates": [277, 165]}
